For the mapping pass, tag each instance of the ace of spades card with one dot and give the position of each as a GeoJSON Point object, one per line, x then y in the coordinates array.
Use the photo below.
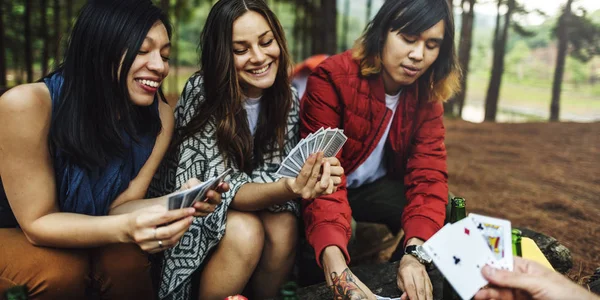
{"type": "Point", "coordinates": [459, 252]}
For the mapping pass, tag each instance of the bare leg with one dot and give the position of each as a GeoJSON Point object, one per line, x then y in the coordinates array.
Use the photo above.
{"type": "Point", "coordinates": [233, 262]}
{"type": "Point", "coordinates": [281, 235]}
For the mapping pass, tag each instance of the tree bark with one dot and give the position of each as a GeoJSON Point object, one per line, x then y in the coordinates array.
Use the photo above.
{"type": "Point", "coordinates": [57, 33]}
{"type": "Point", "coordinates": [164, 6]}
{"type": "Point", "coordinates": [325, 28]}
{"type": "Point", "coordinates": [369, 6]}
{"type": "Point", "coordinates": [28, 50]}
{"type": "Point", "coordinates": [563, 23]}
{"type": "Point", "coordinates": [345, 25]}
{"type": "Point", "coordinates": [296, 31]}
{"type": "Point", "coordinates": [44, 35]}
{"type": "Point", "coordinates": [307, 29]}
{"type": "Point", "coordinates": [464, 51]}
{"type": "Point", "coordinates": [2, 49]}
{"type": "Point", "coordinates": [493, 92]}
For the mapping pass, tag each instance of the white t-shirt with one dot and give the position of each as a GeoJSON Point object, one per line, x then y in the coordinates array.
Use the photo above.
{"type": "Point", "coordinates": [374, 167]}
{"type": "Point", "coordinates": [252, 106]}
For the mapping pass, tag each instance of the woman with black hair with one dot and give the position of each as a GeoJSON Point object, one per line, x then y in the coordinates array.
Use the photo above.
{"type": "Point", "coordinates": [386, 93]}
{"type": "Point", "coordinates": [239, 111]}
{"type": "Point", "coordinates": [77, 153]}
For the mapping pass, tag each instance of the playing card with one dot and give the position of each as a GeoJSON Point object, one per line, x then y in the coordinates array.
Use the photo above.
{"type": "Point", "coordinates": [318, 138]}
{"type": "Point", "coordinates": [174, 201]}
{"type": "Point", "coordinates": [459, 253]}
{"type": "Point", "coordinates": [211, 184]}
{"type": "Point", "coordinates": [335, 144]}
{"type": "Point", "coordinates": [327, 136]}
{"type": "Point", "coordinates": [497, 233]}
{"type": "Point", "coordinates": [178, 199]}
{"type": "Point", "coordinates": [385, 298]}
{"type": "Point", "coordinates": [284, 171]}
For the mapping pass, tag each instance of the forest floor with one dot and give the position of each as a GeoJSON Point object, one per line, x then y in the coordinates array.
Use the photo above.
{"type": "Point", "coordinates": [541, 176]}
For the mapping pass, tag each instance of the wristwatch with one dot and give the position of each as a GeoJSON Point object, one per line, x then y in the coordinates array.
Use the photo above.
{"type": "Point", "coordinates": [418, 252]}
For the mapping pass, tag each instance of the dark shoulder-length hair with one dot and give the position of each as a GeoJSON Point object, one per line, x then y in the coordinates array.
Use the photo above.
{"type": "Point", "coordinates": [442, 80]}
{"type": "Point", "coordinates": [95, 110]}
{"type": "Point", "coordinates": [224, 95]}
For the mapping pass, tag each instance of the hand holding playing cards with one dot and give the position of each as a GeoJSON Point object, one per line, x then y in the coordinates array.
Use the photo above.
{"type": "Point", "coordinates": [413, 280]}
{"type": "Point", "coordinates": [530, 280]}
{"type": "Point", "coordinates": [155, 228]}
{"type": "Point", "coordinates": [311, 182]}
{"type": "Point", "coordinates": [213, 197]}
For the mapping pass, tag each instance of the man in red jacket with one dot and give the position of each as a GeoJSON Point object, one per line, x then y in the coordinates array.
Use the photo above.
{"type": "Point", "coordinates": [386, 93]}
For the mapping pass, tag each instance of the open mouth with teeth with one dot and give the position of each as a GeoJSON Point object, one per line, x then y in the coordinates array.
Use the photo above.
{"type": "Point", "coordinates": [149, 83]}
{"type": "Point", "coordinates": [261, 71]}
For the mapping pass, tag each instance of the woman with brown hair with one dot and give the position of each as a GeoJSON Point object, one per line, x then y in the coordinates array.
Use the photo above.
{"type": "Point", "coordinates": [386, 93]}
{"type": "Point", "coordinates": [240, 112]}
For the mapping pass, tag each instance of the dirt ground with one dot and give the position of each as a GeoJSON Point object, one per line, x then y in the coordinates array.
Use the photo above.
{"type": "Point", "coordinates": [544, 176]}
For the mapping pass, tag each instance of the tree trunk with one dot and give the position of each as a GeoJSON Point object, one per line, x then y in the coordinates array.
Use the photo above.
{"type": "Point", "coordinates": [296, 32]}
{"type": "Point", "coordinates": [175, 40]}
{"type": "Point", "coordinates": [493, 92]}
{"type": "Point", "coordinates": [325, 28]}
{"type": "Point", "coordinates": [28, 50]}
{"type": "Point", "coordinates": [164, 6]}
{"type": "Point", "coordinates": [44, 35]}
{"type": "Point", "coordinates": [464, 51]}
{"type": "Point", "coordinates": [345, 25]}
{"type": "Point", "coordinates": [563, 24]}
{"type": "Point", "coordinates": [57, 33]}
{"type": "Point", "coordinates": [2, 50]}
{"type": "Point", "coordinates": [369, 5]}
{"type": "Point", "coordinates": [307, 29]}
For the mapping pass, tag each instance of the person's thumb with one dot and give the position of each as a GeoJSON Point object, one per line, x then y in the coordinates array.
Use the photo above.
{"type": "Point", "coordinates": [508, 279]}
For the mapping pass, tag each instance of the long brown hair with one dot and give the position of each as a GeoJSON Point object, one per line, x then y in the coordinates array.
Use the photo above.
{"type": "Point", "coordinates": [442, 80]}
{"type": "Point", "coordinates": [224, 94]}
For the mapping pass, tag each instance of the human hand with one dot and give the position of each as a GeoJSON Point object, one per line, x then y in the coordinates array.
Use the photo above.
{"type": "Point", "coordinates": [529, 280]}
{"type": "Point", "coordinates": [413, 280]}
{"type": "Point", "coordinates": [213, 197]}
{"type": "Point", "coordinates": [311, 181]}
{"type": "Point", "coordinates": [156, 228]}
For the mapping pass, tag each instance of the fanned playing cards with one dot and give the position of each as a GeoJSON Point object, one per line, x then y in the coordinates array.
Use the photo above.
{"type": "Point", "coordinates": [329, 141]}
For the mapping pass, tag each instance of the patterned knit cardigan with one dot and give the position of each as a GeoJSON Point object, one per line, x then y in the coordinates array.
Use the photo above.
{"type": "Point", "coordinates": [199, 156]}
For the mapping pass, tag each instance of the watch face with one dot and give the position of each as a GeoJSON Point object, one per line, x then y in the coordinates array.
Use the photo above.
{"type": "Point", "coordinates": [423, 255]}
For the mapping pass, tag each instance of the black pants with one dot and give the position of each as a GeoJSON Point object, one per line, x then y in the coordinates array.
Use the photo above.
{"type": "Point", "coordinates": [382, 202]}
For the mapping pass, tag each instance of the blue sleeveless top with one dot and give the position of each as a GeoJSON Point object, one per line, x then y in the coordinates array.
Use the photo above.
{"type": "Point", "coordinates": [83, 191]}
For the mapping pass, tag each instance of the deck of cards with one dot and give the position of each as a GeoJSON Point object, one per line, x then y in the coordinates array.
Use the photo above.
{"type": "Point", "coordinates": [187, 198]}
{"type": "Point", "coordinates": [461, 249]}
{"type": "Point", "coordinates": [330, 141]}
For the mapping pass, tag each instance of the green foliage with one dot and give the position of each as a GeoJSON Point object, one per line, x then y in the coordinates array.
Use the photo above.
{"type": "Point", "coordinates": [583, 35]}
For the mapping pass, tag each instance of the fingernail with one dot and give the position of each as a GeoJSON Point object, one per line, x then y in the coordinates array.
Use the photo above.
{"type": "Point", "coordinates": [191, 210]}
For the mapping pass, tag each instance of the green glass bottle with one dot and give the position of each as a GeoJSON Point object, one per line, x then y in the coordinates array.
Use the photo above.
{"type": "Point", "coordinates": [288, 291]}
{"type": "Point", "coordinates": [458, 211]}
{"type": "Point", "coordinates": [516, 242]}
{"type": "Point", "coordinates": [18, 292]}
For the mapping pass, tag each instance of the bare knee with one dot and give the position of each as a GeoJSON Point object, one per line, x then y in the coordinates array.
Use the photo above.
{"type": "Point", "coordinates": [281, 232]}
{"type": "Point", "coordinates": [244, 233]}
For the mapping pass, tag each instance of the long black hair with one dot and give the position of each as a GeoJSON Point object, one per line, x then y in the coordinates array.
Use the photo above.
{"type": "Point", "coordinates": [224, 95]}
{"type": "Point", "coordinates": [95, 109]}
{"type": "Point", "coordinates": [413, 17]}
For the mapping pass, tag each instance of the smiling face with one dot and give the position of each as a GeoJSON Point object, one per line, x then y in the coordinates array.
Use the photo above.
{"type": "Point", "coordinates": [406, 57]}
{"type": "Point", "coordinates": [255, 53]}
{"type": "Point", "coordinates": [150, 67]}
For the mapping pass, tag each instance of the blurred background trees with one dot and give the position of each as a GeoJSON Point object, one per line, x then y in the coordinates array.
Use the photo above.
{"type": "Point", "coordinates": [513, 71]}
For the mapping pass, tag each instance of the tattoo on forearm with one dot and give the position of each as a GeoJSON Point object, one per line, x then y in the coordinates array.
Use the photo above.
{"type": "Point", "coordinates": [344, 286]}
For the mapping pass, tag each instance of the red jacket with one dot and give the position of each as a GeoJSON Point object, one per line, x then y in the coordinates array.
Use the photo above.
{"type": "Point", "coordinates": [337, 96]}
